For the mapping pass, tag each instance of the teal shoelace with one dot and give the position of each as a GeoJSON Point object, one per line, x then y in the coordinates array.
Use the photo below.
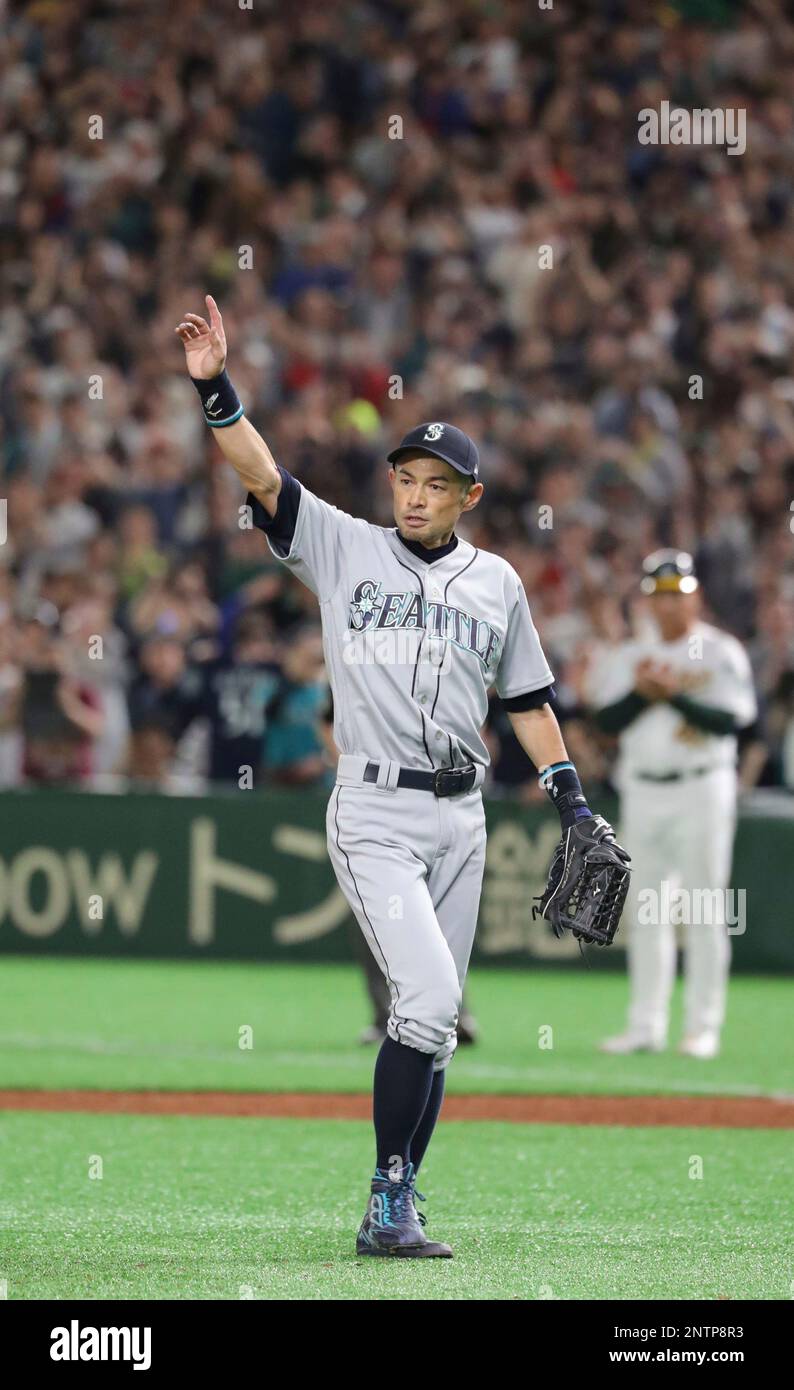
{"type": "Point", "coordinates": [398, 1202]}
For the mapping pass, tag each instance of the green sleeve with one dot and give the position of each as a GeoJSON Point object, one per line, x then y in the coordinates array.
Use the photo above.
{"type": "Point", "coordinates": [613, 719]}
{"type": "Point", "coordinates": [713, 721]}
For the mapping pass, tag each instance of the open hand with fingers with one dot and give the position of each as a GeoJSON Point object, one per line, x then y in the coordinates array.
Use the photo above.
{"type": "Point", "coordinates": [204, 343]}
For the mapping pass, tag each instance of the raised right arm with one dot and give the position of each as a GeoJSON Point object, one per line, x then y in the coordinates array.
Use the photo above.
{"type": "Point", "coordinates": [242, 445]}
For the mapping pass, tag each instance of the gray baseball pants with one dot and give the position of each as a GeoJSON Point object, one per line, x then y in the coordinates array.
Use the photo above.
{"type": "Point", "coordinates": [410, 865]}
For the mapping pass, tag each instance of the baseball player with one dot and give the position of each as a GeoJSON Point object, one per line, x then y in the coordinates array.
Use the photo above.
{"type": "Point", "coordinates": [417, 625]}
{"type": "Point", "coordinates": [676, 700]}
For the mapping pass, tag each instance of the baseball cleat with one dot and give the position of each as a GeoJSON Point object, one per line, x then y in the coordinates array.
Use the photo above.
{"type": "Point", "coordinates": [700, 1045]}
{"type": "Point", "coordinates": [625, 1043]}
{"type": "Point", "coordinates": [392, 1228]}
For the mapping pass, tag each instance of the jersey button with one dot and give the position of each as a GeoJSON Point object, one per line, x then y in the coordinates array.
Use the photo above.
{"type": "Point", "coordinates": [423, 699]}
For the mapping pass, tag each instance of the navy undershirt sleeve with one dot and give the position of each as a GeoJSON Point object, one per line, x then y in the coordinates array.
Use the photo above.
{"type": "Point", "coordinates": [280, 528]}
{"type": "Point", "coordinates": [534, 699]}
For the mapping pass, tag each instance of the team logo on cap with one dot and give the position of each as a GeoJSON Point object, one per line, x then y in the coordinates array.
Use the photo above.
{"type": "Point", "coordinates": [433, 432]}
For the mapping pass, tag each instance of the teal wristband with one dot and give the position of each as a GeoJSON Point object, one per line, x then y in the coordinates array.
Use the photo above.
{"type": "Point", "coordinates": [561, 783]}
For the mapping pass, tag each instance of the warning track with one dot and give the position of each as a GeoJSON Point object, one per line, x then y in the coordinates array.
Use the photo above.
{"type": "Point", "coordinates": [720, 1112]}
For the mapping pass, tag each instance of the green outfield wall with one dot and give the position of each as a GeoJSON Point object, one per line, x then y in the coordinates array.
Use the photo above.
{"type": "Point", "coordinates": [247, 876]}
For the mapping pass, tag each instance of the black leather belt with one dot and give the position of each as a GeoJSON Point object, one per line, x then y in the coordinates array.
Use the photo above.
{"type": "Point", "coordinates": [444, 781]}
{"type": "Point", "coordinates": [673, 776]}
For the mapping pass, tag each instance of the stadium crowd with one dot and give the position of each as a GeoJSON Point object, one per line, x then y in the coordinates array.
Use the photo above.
{"type": "Point", "coordinates": [365, 188]}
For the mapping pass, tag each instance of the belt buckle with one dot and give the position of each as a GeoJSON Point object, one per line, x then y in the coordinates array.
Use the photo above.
{"type": "Point", "coordinates": [447, 781]}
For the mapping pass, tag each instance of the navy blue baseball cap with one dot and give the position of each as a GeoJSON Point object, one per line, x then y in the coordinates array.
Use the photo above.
{"type": "Point", "coordinates": [441, 441]}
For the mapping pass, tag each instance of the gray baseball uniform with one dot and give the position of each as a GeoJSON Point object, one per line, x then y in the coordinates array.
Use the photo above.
{"type": "Point", "coordinates": [412, 644]}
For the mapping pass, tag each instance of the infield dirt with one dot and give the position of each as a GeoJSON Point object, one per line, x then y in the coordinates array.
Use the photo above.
{"type": "Point", "coordinates": [713, 1112]}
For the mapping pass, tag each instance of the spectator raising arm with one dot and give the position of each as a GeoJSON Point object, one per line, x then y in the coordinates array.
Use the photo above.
{"type": "Point", "coordinates": [243, 446]}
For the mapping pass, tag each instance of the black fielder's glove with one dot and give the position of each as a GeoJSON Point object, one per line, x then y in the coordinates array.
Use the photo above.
{"type": "Point", "coordinates": [588, 882]}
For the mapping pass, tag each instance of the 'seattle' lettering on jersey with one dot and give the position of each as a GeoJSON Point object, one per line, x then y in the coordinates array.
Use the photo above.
{"type": "Point", "coordinates": [372, 608]}
{"type": "Point", "coordinates": [469, 607]}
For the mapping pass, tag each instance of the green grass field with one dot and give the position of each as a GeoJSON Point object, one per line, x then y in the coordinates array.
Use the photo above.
{"type": "Point", "coordinates": [204, 1208]}
{"type": "Point", "coordinates": [163, 1025]}
{"type": "Point", "coordinates": [200, 1208]}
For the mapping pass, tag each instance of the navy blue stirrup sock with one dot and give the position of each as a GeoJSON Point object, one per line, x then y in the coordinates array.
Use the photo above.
{"type": "Point", "coordinates": [403, 1078]}
{"type": "Point", "coordinates": [427, 1123]}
